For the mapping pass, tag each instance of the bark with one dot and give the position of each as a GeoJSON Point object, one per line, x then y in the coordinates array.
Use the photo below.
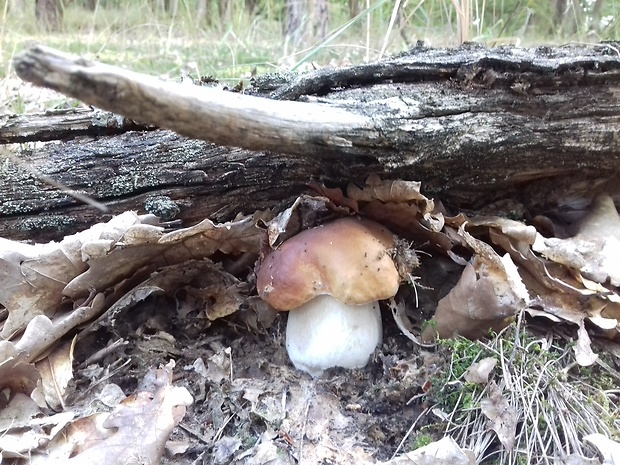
{"type": "Point", "coordinates": [320, 19]}
{"type": "Point", "coordinates": [64, 124]}
{"type": "Point", "coordinates": [354, 8]}
{"type": "Point", "coordinates": [48, 14]}
{"type": "Point", "coordinates": [295, 21]}
{"type": "Point", "coordinates": [527, 128]}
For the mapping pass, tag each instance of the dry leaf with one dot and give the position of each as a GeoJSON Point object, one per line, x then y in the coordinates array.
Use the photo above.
{"type": "Point", "coordinates": [41, 332]}
{"type": "Point", "coordinates": [56, 372]}
{"type": "Point", "coordinates": [197, 285]}
{"type": "Point", "coordinates": [15, 374]}
{"type": "Point", "coordinates": [303, 214]}
{"type": "Point", "coordinates": [478, 372]}
{"type": "Point", "coordinates": [594, 251]}
{"type": "Point", "coordinates": [32, 277]}
{"type": "Point", "coordinates": [336, 196]}
{"type": "Point", "coordinates": [583, 350]}
{"type": "Point", "coordinates": [503, 416]}
{"type": "Point", "coordinates": [608, 448]}
{"type": "Point", "coordinates": [200, 241]}
{"type": "Point", "coordinates": [23, 440]}
{"type": "Point", "coordinates": [487, 296]}
{"type": "Point", "coordinates": [19, 412]}
{"type": "Point", "coordinates": [390, 192]}
{"type": "Point", "coordinates": [559, 293]}
{"type": "Point", "coordinates": [136, 431]}
{"type": "Point", "coordinates": [408, 221]}
{"type": "Point", "coordinates": [443, 452]}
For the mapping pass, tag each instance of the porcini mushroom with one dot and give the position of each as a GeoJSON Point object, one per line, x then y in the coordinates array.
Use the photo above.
{"type": "Point", "coordinates": [331, 278]}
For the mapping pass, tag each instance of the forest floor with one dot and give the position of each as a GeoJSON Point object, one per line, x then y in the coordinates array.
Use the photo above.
{"type": "Point", "coordinates": [250, 405]}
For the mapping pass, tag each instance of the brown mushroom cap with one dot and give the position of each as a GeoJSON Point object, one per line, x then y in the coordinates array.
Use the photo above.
{"type": "Point", "coordinates": [348, 259]}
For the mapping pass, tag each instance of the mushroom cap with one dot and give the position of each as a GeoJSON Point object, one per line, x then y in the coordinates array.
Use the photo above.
{"type": "Point", "coordinates": [348, 259]}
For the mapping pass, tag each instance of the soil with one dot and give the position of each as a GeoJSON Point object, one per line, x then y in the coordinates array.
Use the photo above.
{"type": "Point", "coordinates": [250, 404]}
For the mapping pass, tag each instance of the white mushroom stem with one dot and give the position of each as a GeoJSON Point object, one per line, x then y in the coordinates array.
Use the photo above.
{"type": "Point", "coordinates": [325, 333]}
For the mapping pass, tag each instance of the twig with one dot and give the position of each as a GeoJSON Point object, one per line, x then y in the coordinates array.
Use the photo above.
{"type": "Point", "coordinates": [303, 433]}
{"type": "Point", "coordinates": [102, 353]}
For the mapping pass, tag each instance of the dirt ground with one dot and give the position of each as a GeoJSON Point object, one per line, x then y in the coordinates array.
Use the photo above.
{"type": "Point", "coordinates": [250, 404]}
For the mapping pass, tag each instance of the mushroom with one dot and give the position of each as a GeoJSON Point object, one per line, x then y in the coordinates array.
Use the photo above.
{"type": "Point", "coordinates": [331, 278]}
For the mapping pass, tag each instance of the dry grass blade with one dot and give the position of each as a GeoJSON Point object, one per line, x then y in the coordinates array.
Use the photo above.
{"type": "Point", "coordinates": [556, 405]}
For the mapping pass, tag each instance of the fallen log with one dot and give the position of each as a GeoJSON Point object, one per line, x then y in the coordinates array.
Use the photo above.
{"type": "Point", "coordinates": [525, 128]}
{"type": "Point", "coordinates": [64, 124]}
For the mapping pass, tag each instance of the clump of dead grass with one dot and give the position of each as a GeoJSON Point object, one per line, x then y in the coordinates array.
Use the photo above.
{"type": "Point", "coordinates": [556, 402]}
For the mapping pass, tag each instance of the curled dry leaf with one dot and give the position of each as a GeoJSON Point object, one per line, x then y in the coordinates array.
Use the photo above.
{"type": "Point", "coordinates": [200, 241]}
{"type": "Point", "coordinates": [56, 372]}
{"type": "Point", "coordinates": [503, 416]}
{"type": "Point", "coordinates": [583, 350]}
{"type": "Point", "coordinates": [336, 196]}
{"type": "Point", "coordinates": [478, 372]}
{"type": "Point", "coordinates": [595, 249]}
{"type": "Point", "coordinates": [41, 332]}
{"type": "Point", "coordinates": [25, 431]}
{"type": "Point", "coordinates": [446, 451]}
{"type": "Point", "coordinates": [399, 206]}
{"type": "Point", "coordinates": [32, 277]}
{"type": "Point", "coordinates": [303, 214]}
{"type": "Point", "coordinates": [608, 448]}
{"type": "Point", "coordinates": [197, 285]}
{"type": "Point", "coordinates": [389, 192]}
{"type": "Point", "coordinates": [559, 293]}
{"type": "Point", "coordinates": [408, 221]}
{"type": "Point", "coordinates": [16, 374]}
{"type": "Point", "coordinates": [137, 429]}
{"type": "Point", "coordinates": [399, 312]}
{"type": "Point", "coordinates": [488, 294]}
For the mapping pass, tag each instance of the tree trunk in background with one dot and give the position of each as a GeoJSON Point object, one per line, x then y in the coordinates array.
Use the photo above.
{"type": "Point", "coordinates": [401, 23]}
{"type": "Point", "coordinates": [558, 16]}
{"type": "Point", "coordinates": [294, 22]}
{"type": "Point", "coordinates": [251, 6]}
{"type": "Point", "coordinates": [48, 14]}
{"type": "Point", "coordinates": [225, 8]}
{"type": "Point", "coordinates": [168, 7]}
{"type": "Point", "coordinates": [354, 8]}
{"type": "Point", "coordinates": [201, 12]}
{"type": "Point", "coordinates": [320, 19]}
{"type": "Point", "coordinates": [596, 16]}
{"type": "Point", "coordinates": [569, 17]}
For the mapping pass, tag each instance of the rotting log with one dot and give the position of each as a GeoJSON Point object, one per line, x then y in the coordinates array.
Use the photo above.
{"type": "Point", "coordinates": [159, 172]}
{"type": "Point", "coordinates": [530, 127]}
{"type": "Point", "coordinates": [64, 124]}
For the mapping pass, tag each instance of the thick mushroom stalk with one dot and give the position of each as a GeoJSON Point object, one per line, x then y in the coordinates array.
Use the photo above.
{"type": "Point", "coordinates": [331, 278]}
{"type": "Point", "coordinates": [326, 333]}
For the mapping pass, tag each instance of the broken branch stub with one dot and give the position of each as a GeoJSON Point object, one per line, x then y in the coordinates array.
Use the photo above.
{"type": "Point", "coordinates": [224, 118]}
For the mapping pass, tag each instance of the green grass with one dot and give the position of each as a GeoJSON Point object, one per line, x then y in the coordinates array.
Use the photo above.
{"type": "Point", "coordinates": [557, 401]}
{"type": "Point", "coordinates": [140, 35]}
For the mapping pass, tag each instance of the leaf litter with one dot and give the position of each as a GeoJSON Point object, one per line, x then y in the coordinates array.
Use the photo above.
{"type": "Point", "coordinates": [94, 320]}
